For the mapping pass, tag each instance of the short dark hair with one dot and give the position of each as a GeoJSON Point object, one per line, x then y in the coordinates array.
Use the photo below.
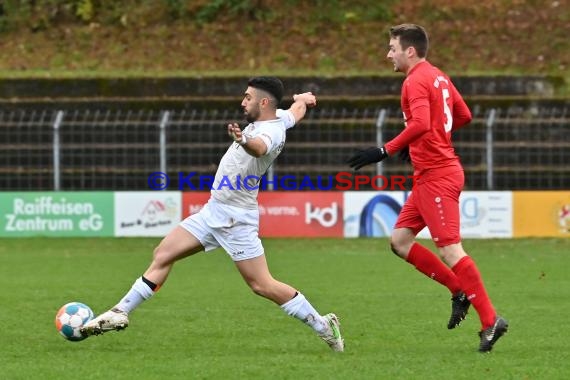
{"type": "Point", "coordinates": [271, 85]}
{"type": "Point", "coordinates": [411, 35]}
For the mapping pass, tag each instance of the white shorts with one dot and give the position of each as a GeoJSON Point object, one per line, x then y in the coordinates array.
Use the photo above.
{"type": "Point", "coordinates": [233, 228]}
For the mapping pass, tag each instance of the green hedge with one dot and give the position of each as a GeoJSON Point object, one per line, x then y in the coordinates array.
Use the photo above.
{"type": "Point", "coordinates": [44, 14]}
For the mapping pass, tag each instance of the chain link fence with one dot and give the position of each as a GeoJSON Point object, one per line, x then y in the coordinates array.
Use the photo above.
{"type": "Point", "coordinates": [515, 148]}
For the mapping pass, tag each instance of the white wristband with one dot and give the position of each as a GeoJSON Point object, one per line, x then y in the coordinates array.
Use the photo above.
{"type": "Point", "coordinates": [243, 140]}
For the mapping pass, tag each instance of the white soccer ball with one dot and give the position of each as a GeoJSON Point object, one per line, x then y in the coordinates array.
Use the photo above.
{"type": "Point", "coordinates": [70, 318]}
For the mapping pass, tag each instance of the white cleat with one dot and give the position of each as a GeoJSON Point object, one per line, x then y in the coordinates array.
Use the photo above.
{"type": "Point", "coordinates": [113, 319]}
{"type": "Point", "coordinates": [332, 333]}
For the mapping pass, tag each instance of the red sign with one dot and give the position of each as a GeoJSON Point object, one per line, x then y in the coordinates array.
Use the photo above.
{"type": "Point", "coordinates": [300, 213]}
{"type": "Point", "coordinates": [192, 202]}
{"type": "Point", "coordinates": [287, 213]}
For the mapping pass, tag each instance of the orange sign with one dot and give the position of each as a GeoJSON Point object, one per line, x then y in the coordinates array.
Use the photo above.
{"type": "Point", "coordinates": [541, 213]}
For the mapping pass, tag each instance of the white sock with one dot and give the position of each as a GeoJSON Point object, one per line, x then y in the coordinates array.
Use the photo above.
{"type": "Point", "coordinates": [139, 292]}
{"type": "Point", "coordinates": [301, 309]}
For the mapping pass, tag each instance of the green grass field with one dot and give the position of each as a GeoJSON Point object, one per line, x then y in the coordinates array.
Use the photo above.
{"type": "Point", "coordinates": [205, 323]}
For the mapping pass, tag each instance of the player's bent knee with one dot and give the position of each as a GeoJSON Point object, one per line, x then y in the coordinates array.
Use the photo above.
{"type": "Point", "coordinates": [396, 246]}
{"type": "Point", "coordinates": [452, 253]}
{"type": "Point", "coordinates": [401, 241]}
{"type": "Point", "coordinates": [393, 248]}
{"type": "Point", "coordinates": [161, 257]}
{"type": "Point", "coordinates": [262, 289]}
{"type": "Point", "coordinates": [257, 288]}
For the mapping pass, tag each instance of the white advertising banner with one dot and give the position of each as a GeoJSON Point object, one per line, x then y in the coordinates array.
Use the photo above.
{"type": "Point", "coordinates": [487, 214]}
{"type": "Point", "coordinates": [484, 214]}
{"type": "Point", "coordinates": [147, 213]}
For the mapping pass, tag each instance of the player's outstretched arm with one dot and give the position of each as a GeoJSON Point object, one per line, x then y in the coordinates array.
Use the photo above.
{"type": "Point", "coordinates": [300, 104]}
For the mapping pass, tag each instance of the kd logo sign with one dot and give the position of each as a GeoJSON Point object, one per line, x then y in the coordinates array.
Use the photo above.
{"type": "Point", "coordinates": [326, 216]}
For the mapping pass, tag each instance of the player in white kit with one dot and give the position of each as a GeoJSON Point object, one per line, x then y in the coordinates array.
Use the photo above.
{"type": "Point", "coordinates": [230, 219]}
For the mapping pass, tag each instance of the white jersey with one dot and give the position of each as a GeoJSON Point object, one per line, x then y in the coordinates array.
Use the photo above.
{"type": "Point", "coordinates": [238, 176]}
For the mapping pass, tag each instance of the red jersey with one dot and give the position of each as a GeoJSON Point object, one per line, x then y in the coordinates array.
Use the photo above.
{"type": "Point", "coordinates": [432, 108]}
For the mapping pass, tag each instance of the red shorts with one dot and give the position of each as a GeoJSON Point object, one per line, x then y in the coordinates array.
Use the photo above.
{"type": "Point", "coordinates": [435, 204]}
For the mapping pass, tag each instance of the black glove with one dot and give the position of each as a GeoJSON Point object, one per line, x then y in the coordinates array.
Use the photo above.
{"type": "Point", "coordinates": [367, 156]}
{"type": "Point", "coordinates": [405, 155]}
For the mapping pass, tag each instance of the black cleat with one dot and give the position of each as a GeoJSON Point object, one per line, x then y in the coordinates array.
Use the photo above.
{"type": "Point", "coordinates": [459, 306]}
{"type": "Point", "coordinates": [491, 334]}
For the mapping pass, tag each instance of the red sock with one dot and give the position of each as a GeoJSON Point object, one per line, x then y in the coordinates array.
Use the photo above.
{"type": "Point", "coordinates": [429, 264]}
{"type": "Point", "coordinates": [472, 284]}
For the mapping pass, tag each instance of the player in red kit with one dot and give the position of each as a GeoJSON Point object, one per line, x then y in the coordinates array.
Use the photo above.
{"type": "Point", "coordinates": [432, 109]}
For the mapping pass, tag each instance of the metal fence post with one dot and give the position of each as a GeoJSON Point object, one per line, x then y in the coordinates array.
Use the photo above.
{"type": "Point", "coordinates": [56, 151]}
{"type": "Point", "coordinates": [163, 125]}
{"type": "Point", "coordinates": [489, 145]}
{"type": "Point", "coordinates": [380, 142]}
{"type": "Point", "coordinates": [270, 177]}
